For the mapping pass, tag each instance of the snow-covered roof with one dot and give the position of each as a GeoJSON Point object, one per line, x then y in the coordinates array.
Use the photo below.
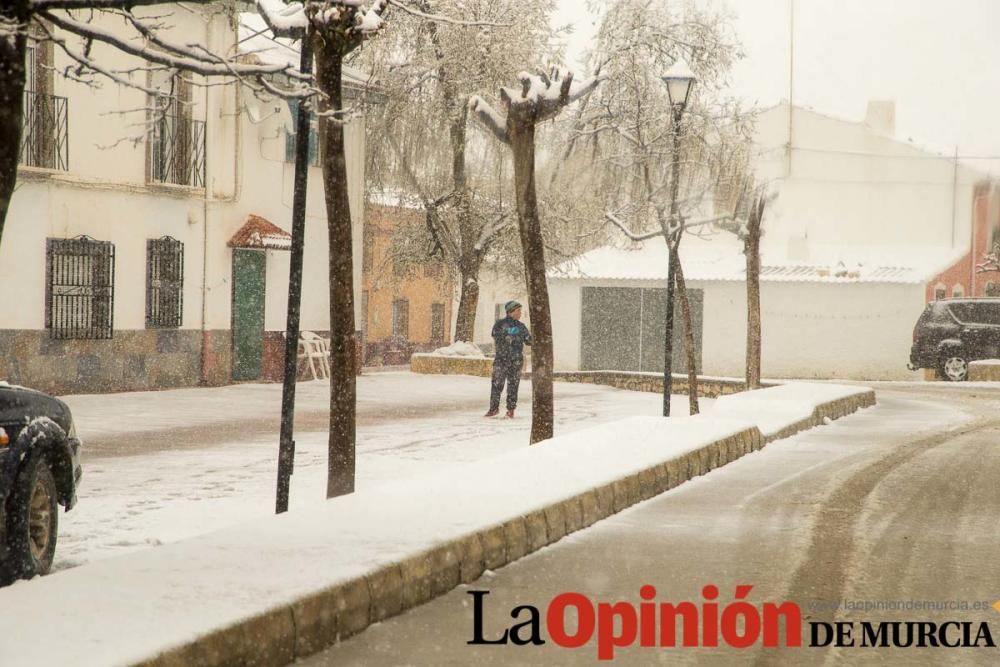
{"type": "Point", "coordinates": [261, 233]}
{"type": "Point", "coordinates": [722, 259]}
{"type": "Point", "coordinates": [256, 41]}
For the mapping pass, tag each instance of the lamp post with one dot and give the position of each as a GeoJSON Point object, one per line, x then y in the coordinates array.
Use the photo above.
{"type": "Point", "coordinates": [679, 80]}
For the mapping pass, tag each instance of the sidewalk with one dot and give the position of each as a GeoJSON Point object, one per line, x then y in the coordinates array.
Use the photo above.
{"type": "Point", "coordinates": [160, 467]}
{"type": "Point", "coordinates": [286, 586]}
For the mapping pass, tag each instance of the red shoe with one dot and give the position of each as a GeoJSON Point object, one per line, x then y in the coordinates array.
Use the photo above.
{"type": "Point", "coordinates": [493, 412]}
{"type": "Point", "coordinates": [510, 414]}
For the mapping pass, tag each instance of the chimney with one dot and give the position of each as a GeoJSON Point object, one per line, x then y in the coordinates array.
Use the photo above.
{"type": "Point", "coordinates": [881, 117]}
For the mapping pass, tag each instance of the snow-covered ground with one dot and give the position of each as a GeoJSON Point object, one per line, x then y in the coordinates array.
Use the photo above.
{"type": "Point", "coordinates": [222, 470]}
{"type": "Point", "coordinates": [162, 598]}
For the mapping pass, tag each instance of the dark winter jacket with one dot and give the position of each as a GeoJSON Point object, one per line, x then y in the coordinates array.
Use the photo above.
{"type": "Point", "coordinates": [510, 336]}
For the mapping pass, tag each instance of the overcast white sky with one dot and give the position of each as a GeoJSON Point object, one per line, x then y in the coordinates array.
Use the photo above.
{"type": "Point", "coordinates": [937, 60]}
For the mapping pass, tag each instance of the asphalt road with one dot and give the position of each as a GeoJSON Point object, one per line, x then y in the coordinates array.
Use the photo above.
{"type": "Point", "coordinates": [893, 508]}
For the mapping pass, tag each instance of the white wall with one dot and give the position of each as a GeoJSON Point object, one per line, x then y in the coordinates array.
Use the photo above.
{"type": "Point", "coordinates": [567, 309]}
{"type": "Point", "coordinates": [857, 331]}
{"type": "Point", "coordinates": [851, 185]}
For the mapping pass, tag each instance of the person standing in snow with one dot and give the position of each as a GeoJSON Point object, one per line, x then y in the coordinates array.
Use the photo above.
{"type": "Point", "coordinates": [509, 336]}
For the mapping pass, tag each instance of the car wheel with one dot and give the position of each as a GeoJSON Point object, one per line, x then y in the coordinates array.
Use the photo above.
{"type": "Point", "coordinates": [954, 368]}
{"type": "Point", "coordinates": [32, 522]}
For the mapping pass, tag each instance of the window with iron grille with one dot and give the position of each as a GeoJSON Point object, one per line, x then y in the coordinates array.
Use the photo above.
{"type": "Point", "coordinates": [401, 319]}
{"type": "Point", "coordinates": [293, 106]}
{"type": "Point", "coordinates": [164, 283]}
{"type": "Point", "coordinates": [176, 142]}
{"type": "Point", "coordinates": [79, 294]}
{"type": "Point", "coordinates": [437, 323]}
{"type": "Point", "coordinates": [45, 129]}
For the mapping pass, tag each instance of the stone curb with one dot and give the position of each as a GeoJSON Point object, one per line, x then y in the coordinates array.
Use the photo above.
{"type": "Point", "coordinates": [321, 619]}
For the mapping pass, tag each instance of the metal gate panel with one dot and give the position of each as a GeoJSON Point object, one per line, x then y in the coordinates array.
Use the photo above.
{"type": "Point", "coordinates": [610, 328]}
{"type": "Point", "coordinates": [654, 308]}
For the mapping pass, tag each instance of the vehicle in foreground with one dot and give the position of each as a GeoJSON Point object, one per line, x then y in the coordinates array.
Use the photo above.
{"type": "Point", "coordinates": [952, 332]}
{"type": "Point", "coordinates": [39, 470]}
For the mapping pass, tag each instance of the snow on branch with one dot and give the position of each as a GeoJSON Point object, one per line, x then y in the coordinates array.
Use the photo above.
{"type": "Point", "coordinates": [547, 94]}
{"type": "Point", "coordinates": [490, 117]}
{"type": "Point", "coordinates": [613, 219]}
{"type": "Point", "coordinates": [489, 231]}
{"type": "Point", "coordinates": [439, 18]}
{"type": "Point", "coordinates": [168, 53]}
{"type": "Point", "coordinates": [284, 20]}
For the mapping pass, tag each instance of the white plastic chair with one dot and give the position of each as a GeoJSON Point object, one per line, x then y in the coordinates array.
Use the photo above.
{"type": "Point", "coordinates": [312, 347]}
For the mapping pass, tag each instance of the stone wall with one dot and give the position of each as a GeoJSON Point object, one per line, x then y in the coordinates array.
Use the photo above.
{"type": "Point", "coordinates": [987, 370]}
{"type": "Point", "coordinates": [708, 387]}
{"type": "Point", "coordinates": [433, 364]}
{"type": "Point", "coordinates": [131, 361]}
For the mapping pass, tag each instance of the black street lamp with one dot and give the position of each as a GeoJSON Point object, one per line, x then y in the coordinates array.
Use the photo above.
{"type": "Point", "coordinates": [679, 80]}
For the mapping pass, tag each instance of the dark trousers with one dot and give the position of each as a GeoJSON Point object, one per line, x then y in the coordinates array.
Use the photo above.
{"type": "Point", "coordinates": [509, 371]}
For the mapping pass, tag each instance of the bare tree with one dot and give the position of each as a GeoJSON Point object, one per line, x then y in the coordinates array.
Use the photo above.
{"type": "Point", "coordinates": [540, 98]}
{"type": "Point", "coordinates": [427, 69]}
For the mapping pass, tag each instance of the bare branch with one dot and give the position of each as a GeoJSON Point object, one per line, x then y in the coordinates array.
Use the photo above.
{"type": "Point", "coordinates": [489, 117]}
{"type": "Point", "coordinates": [439, 18]}
{"type": "Point", "coordinates": [191, 62]}
{"type": "Point", "coordinates": [613, 219]}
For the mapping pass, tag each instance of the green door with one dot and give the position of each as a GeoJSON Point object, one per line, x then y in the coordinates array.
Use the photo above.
{"type": "Point", "coordinates": [248, 313]}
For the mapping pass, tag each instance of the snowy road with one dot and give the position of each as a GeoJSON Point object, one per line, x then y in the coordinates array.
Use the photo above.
{"type": "Point", "coordinates": [897, 504]}
{"type": "Point", "coordinates": [163, 466]}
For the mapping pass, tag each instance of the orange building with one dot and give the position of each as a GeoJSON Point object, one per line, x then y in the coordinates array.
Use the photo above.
{"type": "Point", "coordinates": [961, 278]}
{"type": "Point", "coordinates": [406, 306]}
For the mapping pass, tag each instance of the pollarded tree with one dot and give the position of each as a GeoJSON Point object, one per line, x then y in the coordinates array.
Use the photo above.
{"type": "Point", "coordinates": [427, 70]}
{"type": "Point", "coordinates": [539, 98]}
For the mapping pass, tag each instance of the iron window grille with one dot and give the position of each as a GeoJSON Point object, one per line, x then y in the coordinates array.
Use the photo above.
{"type": "Point", "coordinates": [79, 296]}
{"type": "Point", "coordinates": [177, 151]}
{"type": "Point", "coordinates": [45, 130]}
{"type": "Point", "coordinates": [164, 283]}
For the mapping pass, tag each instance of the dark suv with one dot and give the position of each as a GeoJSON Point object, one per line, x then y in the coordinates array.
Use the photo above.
{"type": "Point", "coordinates": [952, 332]}
{"type": "Point", "coordinates": [39, 470]}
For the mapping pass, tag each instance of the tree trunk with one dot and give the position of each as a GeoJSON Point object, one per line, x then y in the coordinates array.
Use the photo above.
{"type": "Point", "coordinates": [465, 323]}
{"type": "Point", "coordinates": [470, 259]}
{"type": "Point", "coordinates": [688, 331]}
{"type": "Point", "coordinates": [343, 363]}
{"type": "Point", "coordinates": [523, 144]}
{"type": "Point", "coordinates": [752, 250]}
{"type": "Point", "coordinates": [12, 75]}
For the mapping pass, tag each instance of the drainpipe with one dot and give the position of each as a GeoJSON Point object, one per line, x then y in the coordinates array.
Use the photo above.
{"type": "Point", "coordinates": [202, 371]}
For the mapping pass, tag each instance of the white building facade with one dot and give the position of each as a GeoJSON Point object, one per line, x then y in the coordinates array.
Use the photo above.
{"type": "Point", "coordinates": [117, 270]}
